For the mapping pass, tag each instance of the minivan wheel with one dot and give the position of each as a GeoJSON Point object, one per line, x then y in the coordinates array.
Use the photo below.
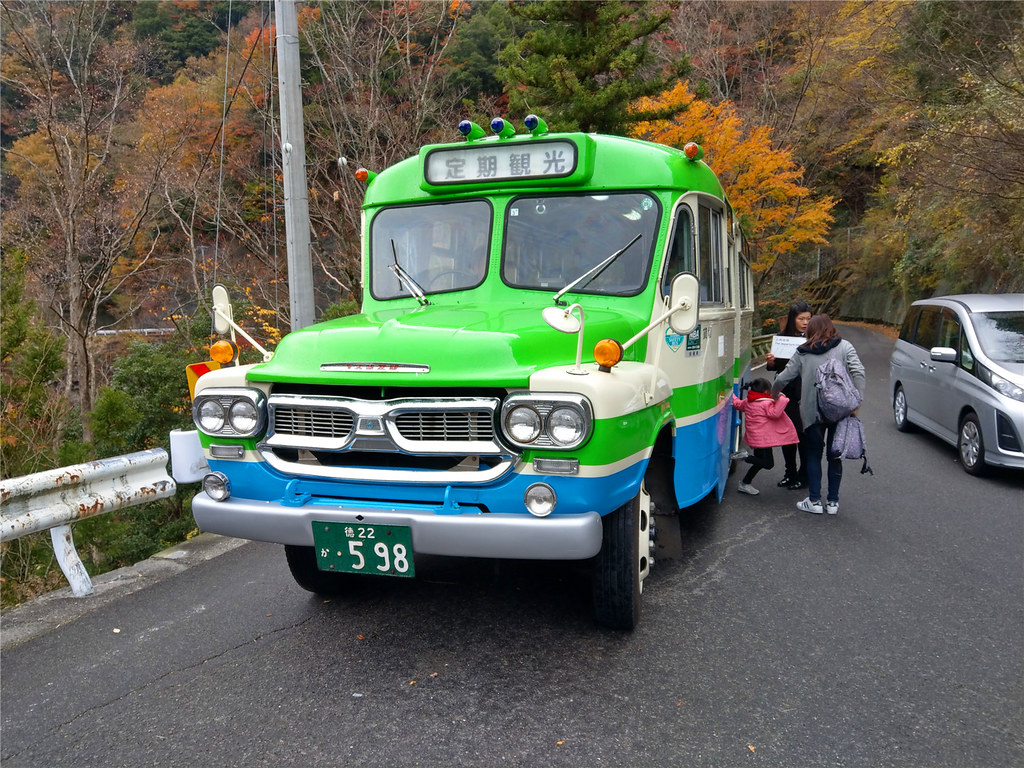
{"type": "Point", "coordinates": [970, 445]}
{"type": "Point", "coordinates": [899, 410]}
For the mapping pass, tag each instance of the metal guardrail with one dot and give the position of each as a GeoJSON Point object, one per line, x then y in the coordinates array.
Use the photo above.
{"type": "Point", "coordinates": [56, 498]}
{"type": "Point", "coordinates": [761, 345]}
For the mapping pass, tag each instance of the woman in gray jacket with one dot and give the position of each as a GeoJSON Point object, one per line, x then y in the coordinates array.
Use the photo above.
{"type": "Point", "coordinates": [823, 342]}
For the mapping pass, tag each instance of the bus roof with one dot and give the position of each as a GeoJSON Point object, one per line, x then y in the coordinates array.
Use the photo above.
{"type": "Point", "coordinates": [600, 162]}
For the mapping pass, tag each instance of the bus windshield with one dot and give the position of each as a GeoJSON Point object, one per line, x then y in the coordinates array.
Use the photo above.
{"type": "Point", "coordinates": [439, 247]}
{"type": "Point", "coordinates": [551, 241]}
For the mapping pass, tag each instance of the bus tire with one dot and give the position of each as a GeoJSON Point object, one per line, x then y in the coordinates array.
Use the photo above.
{"type": "Point", "coordinates": [302, 564]}
{"type": "Point", "coordinates": [621, 564]}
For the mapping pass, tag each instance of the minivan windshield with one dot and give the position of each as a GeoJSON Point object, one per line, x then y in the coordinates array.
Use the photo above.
{"type": "Point", "coordinates": [1001, 335]}
{"type": "Point", "coordinates": [551, 241]}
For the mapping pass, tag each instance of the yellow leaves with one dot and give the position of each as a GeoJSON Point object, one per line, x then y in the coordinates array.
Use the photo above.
{"type": "Point", "coordinates": [763, 181]}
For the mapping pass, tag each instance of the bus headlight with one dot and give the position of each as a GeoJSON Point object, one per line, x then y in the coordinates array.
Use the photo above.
{"type": "Point", "coordinates": [230, 412]}
{"type": "Point", "coordinates": [556, 420]}
{"type": "Point", "coordinates": [566, 426]}
{"type": "Point", "coordinates": [523, 424]}
{"type": "Point", "coordinates": [210, 416]}
{"type": "Point", "coordinates": [243, 416]}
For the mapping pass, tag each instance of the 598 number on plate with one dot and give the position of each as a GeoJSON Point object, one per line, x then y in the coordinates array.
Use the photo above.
{"type": "Point", "coordinates": [376, 550]}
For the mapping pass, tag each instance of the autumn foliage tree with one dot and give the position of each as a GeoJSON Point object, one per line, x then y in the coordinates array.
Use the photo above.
{"type": "Point", "coordinates": [778, 213]}
{"type": "Point", "coordinates": [83, 196]}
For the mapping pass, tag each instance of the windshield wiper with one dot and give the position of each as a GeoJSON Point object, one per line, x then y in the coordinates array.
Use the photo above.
{"type": "Point", "coordinates": [595, 271]}
{"type": "Point", "coordinates": [406, 279]}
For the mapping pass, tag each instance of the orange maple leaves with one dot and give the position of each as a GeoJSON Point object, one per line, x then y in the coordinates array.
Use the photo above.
{"type": "Point", "coordinates": [778, 213]}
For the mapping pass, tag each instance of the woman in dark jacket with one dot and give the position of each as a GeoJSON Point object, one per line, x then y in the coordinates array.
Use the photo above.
{"type": "Point", "coordinates": [796, 325]}
{"type": "Point", "coordinates": [823, 343]}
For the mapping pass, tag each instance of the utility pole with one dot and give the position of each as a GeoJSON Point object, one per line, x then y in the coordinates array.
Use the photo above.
{"type": "Point", "coordinates": [293, 165]}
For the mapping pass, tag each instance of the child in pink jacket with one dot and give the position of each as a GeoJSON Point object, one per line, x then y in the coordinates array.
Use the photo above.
{"type": "Point", "coordinates": [767, 426]}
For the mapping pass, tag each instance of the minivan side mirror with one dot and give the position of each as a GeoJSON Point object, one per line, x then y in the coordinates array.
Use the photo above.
{"type": "Point", "coordinates": [943, 354]}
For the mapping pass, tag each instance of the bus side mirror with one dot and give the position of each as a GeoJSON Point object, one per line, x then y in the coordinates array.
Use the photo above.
{"type": "Point", "coordinates": [221, 310]}
{"type": "Point", "coordinates": [683, 299]}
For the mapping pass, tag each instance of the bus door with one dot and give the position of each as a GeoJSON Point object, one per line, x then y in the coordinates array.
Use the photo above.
{"type": "Point", "coordinates": [700, 364]}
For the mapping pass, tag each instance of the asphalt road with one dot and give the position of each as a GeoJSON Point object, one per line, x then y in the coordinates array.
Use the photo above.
{"type": "Point", "coordinates": [889, 635]}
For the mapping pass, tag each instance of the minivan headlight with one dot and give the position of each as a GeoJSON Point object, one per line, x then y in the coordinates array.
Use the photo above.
{"type": "Point", "coordinates": [1001, 385]}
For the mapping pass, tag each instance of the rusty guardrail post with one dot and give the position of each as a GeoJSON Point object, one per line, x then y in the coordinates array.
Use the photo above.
{"type": "Point", "coordinates": [761, 345]}
{"type": "Point", "coordinates": [57, 497]}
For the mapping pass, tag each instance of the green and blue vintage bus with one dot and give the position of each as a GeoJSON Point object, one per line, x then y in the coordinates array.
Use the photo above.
{"type": "Point", "coordinates": [552, 325]}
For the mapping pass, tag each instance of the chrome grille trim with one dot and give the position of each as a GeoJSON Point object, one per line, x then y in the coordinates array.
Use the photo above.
{"type": "Point", "coordinates": [313, 422]}
{"type": "Point", "coordinates": [438, 426]}
{"type": "Point", "coordinates": [364, 474]}
{"type": "Point", "coordinates": [457, 426]}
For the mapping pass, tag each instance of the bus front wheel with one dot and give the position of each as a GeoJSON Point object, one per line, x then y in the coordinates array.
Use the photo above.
{"type": "Point", "coordinates": [302, 564]}
{"type": "Point", "coordinates": [623, 563]}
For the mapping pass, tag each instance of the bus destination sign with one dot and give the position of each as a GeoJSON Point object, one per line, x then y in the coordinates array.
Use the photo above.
{"type": "Point", "coordinates": [500, 162]}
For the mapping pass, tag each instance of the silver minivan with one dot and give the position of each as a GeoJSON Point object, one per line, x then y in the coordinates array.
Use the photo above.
{"type": "Point", "coordinates": [957, 371]}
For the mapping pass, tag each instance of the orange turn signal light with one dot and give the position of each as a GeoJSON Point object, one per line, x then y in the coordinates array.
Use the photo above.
{"type": "Point", "coordinates": [693, 151]}
{"type": "Point", "coordinates": [607, 352]}
{"type": "Point", "coordinates": [223, 351]}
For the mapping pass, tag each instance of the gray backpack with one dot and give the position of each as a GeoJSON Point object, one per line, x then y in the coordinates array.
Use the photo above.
{"type": "Point", "coordinates": [837, 396]}
{"type": "Point", "coordinates": [849, 443]}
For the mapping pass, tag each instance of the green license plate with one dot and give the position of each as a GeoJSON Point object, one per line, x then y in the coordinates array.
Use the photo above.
{"type": "Point", "coordinates": [378, 550]}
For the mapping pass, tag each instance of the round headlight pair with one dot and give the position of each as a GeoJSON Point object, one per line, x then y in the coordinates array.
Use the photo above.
{"type": "Point", "coordinates": [565, 426]}
{"type": "Point", "coordinates": [241, 415]}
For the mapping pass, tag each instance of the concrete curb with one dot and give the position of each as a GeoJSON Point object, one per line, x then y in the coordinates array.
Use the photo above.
{"type": "Point", "coordinates": [54, 609]}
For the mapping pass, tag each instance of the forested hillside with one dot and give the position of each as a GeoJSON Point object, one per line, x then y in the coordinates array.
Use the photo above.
{"type": "Point", "coordinates": [874, 152]}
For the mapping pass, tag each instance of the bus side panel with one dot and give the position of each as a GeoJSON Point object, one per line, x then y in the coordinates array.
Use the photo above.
{"type": "Point", "coordinates": [701, 453]}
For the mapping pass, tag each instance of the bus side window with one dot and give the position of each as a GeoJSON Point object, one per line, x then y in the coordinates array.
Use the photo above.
{"type": "Point", "coordinates": [745, 283]}
{"type": "Point", "coordinates": [709, 237]}
{"type": "Point", "coordinates": [680, 251]}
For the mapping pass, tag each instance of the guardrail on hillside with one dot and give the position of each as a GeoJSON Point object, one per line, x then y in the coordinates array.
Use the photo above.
{"type": "Point", "coordinates": [761, 345]}
{"type": "Point", "coordinates": [56, 498]}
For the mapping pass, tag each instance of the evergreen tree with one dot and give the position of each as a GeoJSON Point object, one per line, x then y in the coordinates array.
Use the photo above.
{"type": "Point", "coordinates": [32, 412]}
{"type": "Point", "coordinates": [474, 53]}
{"type": "Point", "coordinates": [581, 65]}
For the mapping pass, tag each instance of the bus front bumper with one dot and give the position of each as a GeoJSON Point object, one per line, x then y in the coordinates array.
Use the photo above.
{"type": "Point", "coordinates": [464, 534]}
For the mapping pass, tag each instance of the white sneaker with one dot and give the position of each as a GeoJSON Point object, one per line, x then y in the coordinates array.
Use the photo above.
{"type": "Point", "coordinates": [748, 489]}
{"type": "Point", "coordinates": [814, 507]}
{"type": "Point", "coordinates": [832, 507]}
